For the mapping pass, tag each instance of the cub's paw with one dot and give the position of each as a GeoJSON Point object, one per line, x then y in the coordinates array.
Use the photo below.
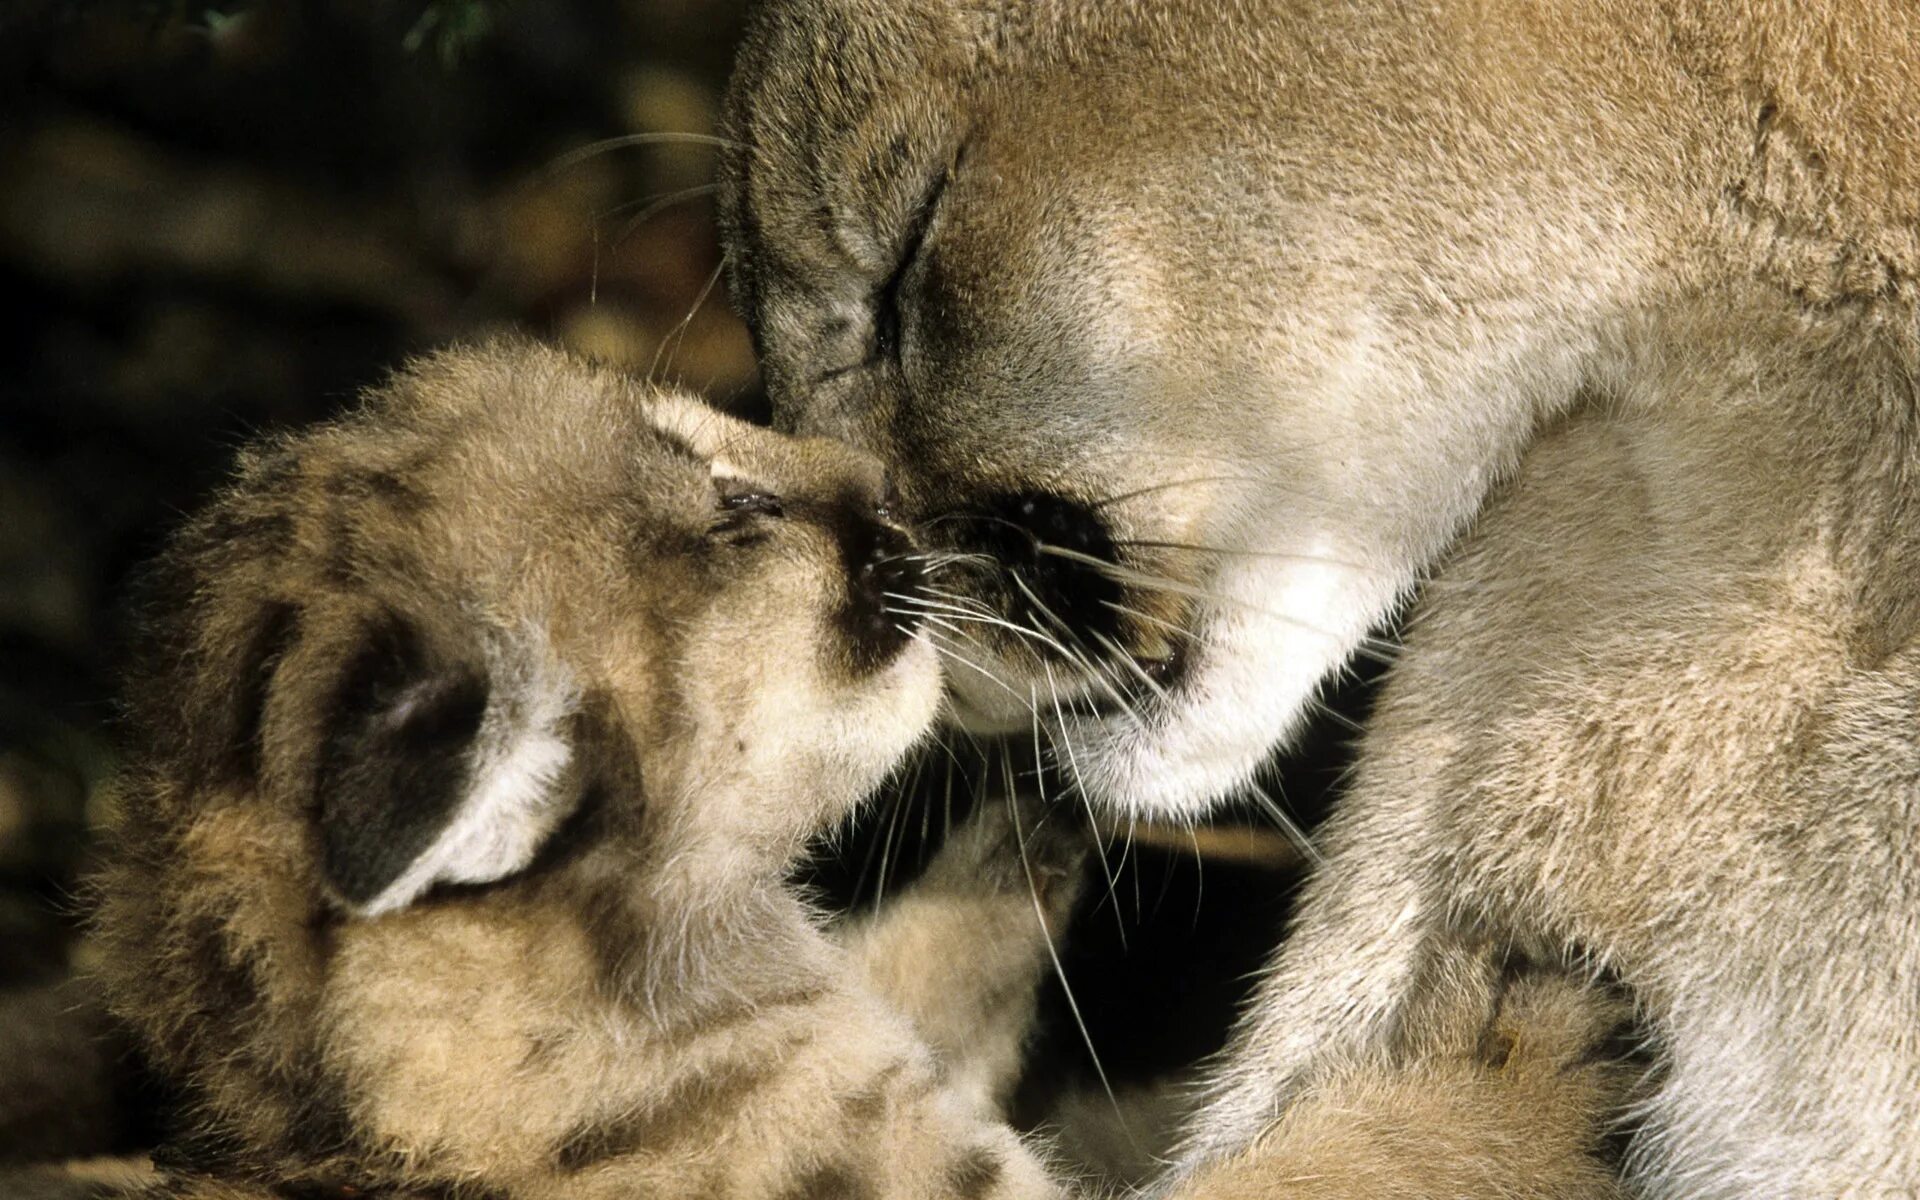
{"type": "Point", "coordinates": [962, 952]}
{"type": "Point", "coordinates": [1517, 1103]}
{"type": "Point", "coordinates": [1016, 851]}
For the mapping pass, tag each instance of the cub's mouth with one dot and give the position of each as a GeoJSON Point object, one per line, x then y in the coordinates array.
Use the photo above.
{"type": "Point", "coordinates": [1048, 617]}
{"type": "Point", "coordinates": [886, 590]}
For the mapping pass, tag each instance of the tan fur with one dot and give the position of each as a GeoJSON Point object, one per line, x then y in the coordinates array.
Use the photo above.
{"type": "Point", "coordinates": [1295, 295]}
{"type": "Point", "coordinates": [644, 1008]}
{"type": "Point", "coordinates": [1513, 1107]}
{"type": "Point", "coordinates": [79, 1179]}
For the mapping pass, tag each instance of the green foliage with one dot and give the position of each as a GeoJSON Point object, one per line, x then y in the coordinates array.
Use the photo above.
{"type": "Point", "coordinates": [451, 27]}
{"type": "Point", "coordinates": [448, 29]}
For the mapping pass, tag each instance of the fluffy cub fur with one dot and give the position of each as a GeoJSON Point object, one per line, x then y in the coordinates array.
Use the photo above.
{"type": "Point", "coordinates": [474, 734]}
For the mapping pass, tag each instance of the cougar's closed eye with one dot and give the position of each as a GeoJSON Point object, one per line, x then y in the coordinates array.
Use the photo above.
{"type": "Point", "coordinates": [887, 319]}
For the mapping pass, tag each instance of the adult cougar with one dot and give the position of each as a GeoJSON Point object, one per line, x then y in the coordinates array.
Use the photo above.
{"type": "Point", "coordinates": [1217, 326]}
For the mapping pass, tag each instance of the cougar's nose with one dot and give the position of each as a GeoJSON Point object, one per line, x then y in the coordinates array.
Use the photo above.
{"type": "Point", "coordinates": [884, 579]}
{"type": "Point", "coordinates": [1059, 552]}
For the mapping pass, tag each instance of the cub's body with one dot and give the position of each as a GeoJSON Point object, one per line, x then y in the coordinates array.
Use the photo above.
{"type": "Point", "coordinates": [476, 733]}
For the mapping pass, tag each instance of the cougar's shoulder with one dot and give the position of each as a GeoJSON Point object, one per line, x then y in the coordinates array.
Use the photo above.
{"type": "Point", "coordinates": [1215, 335]}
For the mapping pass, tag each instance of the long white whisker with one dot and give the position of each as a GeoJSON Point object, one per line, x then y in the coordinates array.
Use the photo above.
{"type": "Point", "coordinates": [948, 652]}
{"type": "Point", "coordinates": [1053, 953]}
{"type": "Point", "coordinates": [591, 150]}
{"type": "Point", "coordinates": [1286, 823]}
{"type": "Point", "coordinates": [1231, 552]}
{"type": "Point", "coordinates": [1169, 485]}
{"type": "Point", "coordinates": [1143, 580]}
{"type": "Point", "coordinates": [652, 208]}
{"type": "Point", "coordinates": [678, 333]}
{"type": "Point", "coordinates": [1080, 787]}
{"type": "Point", "coordinates": [1126, 660]}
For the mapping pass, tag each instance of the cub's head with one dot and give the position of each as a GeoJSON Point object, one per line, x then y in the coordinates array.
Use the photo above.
{"type": "Point", "coordinates": [1207, 325]}
{"type": "Point", "coordinates": [412, 641]}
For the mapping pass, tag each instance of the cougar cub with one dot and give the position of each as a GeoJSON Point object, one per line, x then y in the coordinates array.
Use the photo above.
{"type": "Point", "coordinates": [474, 734]}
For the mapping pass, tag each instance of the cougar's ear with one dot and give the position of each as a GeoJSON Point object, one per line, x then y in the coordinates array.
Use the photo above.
{"type": "Point", "coordinates": [432, 773]}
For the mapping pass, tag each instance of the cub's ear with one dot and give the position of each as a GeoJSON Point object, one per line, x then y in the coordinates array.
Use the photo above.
{"type": "Point", "coordinates": [431, 773]}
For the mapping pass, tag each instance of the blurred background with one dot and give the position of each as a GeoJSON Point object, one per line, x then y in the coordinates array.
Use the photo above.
{"type": "Point", "coordinates": [222, 220]}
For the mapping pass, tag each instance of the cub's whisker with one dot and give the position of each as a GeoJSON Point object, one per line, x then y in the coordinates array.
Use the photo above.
{"type": "Point", "coordinates": [1040, 636]}
{"type": "Point", "coordinates": [948, 623]}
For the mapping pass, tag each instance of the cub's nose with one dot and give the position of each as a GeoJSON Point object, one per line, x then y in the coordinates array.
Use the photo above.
{"type": "Point", "coordinates": [885, 582]}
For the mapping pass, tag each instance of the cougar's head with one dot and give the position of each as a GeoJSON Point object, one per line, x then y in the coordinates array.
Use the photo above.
{"type": "Point", "coordinates": [1138, 304]}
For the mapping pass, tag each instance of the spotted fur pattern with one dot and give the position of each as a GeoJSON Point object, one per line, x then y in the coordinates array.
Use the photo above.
{"type": "Point", "coordinates": [473, 736]}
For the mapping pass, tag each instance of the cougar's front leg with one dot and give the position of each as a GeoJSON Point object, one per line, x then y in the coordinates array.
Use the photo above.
{"type": "Point", "coordinates": [1388, 1055]}
{"type": "Point", "coordinates": [1335, 990]}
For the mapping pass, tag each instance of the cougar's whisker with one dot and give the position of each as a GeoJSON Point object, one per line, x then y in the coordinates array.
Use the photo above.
{"type": "Point", "coordinates": [592, 150]}
{"type": "Point", "coordinates": [1285, 822]}
{"type": "Point", "coordinates": [1126, 660]}
{"type": "Point", "coordinates": [677, 335]}
{"type": "Point", "coordinates": [1169, 485]}
{"type": "Point", "coordinates": [948, 652]}
{"type": "Point", "coordinates": [1232, 552]}
{"type": "Point", "coordinates": [1150, 582]}
{"type": "Point", "coordinates": [1094, 673]}
{"type": "Point", "coordinates": [1053, 950]}
{"type": "Point", "coordinates": [1161, 623]}
{"type": "Point", "coordinates": [649, 207]}
{"type": "Point", "coordinates": [1335, 715]}
{"type": "Point", "coordinates": [1065, 739]}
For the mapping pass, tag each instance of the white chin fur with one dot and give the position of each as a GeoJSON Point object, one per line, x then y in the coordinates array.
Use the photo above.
{"type": "Point", "coordinates": [1279, 631]}
{"type": "Point", "coordinates": [873, 733]}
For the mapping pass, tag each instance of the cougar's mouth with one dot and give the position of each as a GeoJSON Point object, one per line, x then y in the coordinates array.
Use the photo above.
{"type": "Point", "coordinates": [1060, 622]}
{"type": "Point", "coordinates": [1159, 666]}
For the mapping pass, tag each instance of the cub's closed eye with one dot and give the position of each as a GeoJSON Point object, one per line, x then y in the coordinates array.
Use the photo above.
{"type": "Point", "coordinates": [743, 509]}
{"type": "Point", "coordinates": [888, 508]}
{"type": "Point", "coordinates": [746, 503]}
